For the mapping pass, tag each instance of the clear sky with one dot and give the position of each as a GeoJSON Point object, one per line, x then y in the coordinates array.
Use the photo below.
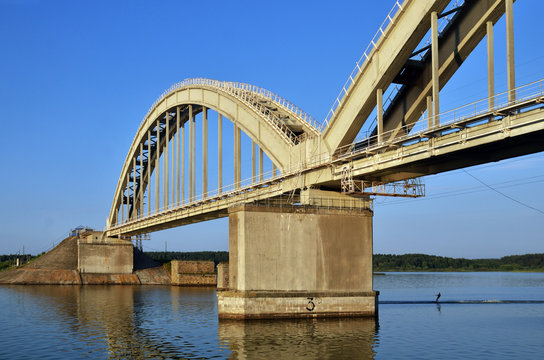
{"type": "Point", "coordinates": [77, 77]}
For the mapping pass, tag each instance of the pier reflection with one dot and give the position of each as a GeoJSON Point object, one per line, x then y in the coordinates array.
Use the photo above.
{"type": "Point", "coordinates": [300, 339]}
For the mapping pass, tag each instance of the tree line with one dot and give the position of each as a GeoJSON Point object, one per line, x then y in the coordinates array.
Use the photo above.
{"type": "Point", "coordinates": [7, 261]}
{"type": "Point", "coordinates": [381, 262]}
{"type": "Point", "coordinates": [167, 256]}
{"type": "Point", "coordinates": [422, 262]}
{"type": "Point", "coordinates": [386, 262]}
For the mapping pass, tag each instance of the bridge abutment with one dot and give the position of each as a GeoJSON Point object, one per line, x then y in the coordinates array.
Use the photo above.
{"type": "Point", "coordinates": [299, 261]}
{"type": "Point", "coordinates": [104, 255]}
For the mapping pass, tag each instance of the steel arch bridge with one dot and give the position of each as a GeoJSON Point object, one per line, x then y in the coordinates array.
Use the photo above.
{"type": "Point", "coordinates": [416, 51]}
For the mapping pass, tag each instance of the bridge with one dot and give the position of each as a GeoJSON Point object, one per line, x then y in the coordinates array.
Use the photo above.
{"type": "Point", "coordinates": [301, 235]}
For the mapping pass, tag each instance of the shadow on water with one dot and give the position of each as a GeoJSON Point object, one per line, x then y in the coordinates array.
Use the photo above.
{"type": "Point", "coordinates": [300, 339]}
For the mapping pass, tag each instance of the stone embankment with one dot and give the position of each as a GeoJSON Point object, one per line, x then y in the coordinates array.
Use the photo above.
{"type": "Point", "coordinates": [193, 273]}
{"type": "Point", "coordinates": [59, 267]}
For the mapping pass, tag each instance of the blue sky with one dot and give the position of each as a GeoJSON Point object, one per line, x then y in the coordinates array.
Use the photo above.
{"type": "Point", "coordinates": [76, 79]}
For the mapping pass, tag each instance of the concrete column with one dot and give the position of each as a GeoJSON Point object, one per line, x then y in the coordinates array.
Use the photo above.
{"type": "Point", "coordinates": [190, 120]}
{"type": "Point", "coordinates": [220, 153]}
{"type": "Point", "coordinates": [274, 170]}
{"type": "Point", "coordinates": [379, 100]}
{"type": "Point", "coordinates": [261, 165]}
{"type": "Point", "coordinates": [429, 112]}
{"type": "Point", "coordinates": [252, 161]}
{"type": "Point", "coordinates": [490, 66]}
{"type": "Point", "coordinates": [167, 163]}
{"type": "Point", "coordinates": [510, 50]}
{"type": "Point", "coordinates": [204, 152]}
{"type": "Point", "coordinates": [298, 262]}
{"type": "Point", "coordinates": [157, 166]}
{"type": "Point", "coordinates": [149, 172]}
{"type": "Point", "coordinates": [178, 126]}
{"type": "Point", "coordinates": [435, 67]}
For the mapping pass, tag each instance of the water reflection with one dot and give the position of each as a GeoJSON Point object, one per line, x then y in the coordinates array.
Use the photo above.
{"type": "Point", "coordinates": [300, 339]}
{"type": "Point", "coordinates": [171, 322]}
{"type": "Point", "coordinates": [124, 322]}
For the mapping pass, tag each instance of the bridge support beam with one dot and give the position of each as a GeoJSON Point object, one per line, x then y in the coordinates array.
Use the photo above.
{"type": "Point", "coordinates": [237, 157]}
{"type": "Point", "coordinates": [204, 152]}
{"type": "Point", "coordinates": [289, 262]}
{"type": "Point", "coordinates": [220, 153]}
{"type": "Point", "coordinates": [379, 113]}
{"type": "Point", "coordinates": [435, 67]}
{"type": "Point", "coordinates": [510, 50]}
{"type": "Point", "coordinates": [490, 65]}
{"type": "Point", "coordinates": [261, 166]}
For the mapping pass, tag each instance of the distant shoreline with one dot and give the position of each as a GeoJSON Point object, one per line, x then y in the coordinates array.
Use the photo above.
{"type": "Point", "coordinates": [432, 263]}
{"type": "Point", "coordinates": [381, 262]}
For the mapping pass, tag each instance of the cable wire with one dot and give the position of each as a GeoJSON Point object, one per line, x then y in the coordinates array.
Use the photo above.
{"type": "Point", "coordinates": [503, 194]}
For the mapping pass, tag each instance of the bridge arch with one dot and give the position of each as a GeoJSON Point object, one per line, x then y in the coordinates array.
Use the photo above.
{"type": "Point", "coordinates": [271, 122]}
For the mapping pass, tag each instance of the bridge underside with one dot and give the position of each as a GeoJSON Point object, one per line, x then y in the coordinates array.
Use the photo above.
{"type": "Point", "coordinates": [486, 153]}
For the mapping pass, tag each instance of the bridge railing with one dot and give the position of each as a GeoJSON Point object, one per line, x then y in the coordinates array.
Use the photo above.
{"type": "Point", "coordinates": [389, 19]}
{"type": "Point", "coordinates": [284, 201]}
{"type": "Point", "coordinates": [231, 87]}
{"type": "Point", "coordinates": [447, 119]}
{"type": "Point", "coordinates": [227, 191]}
{"type": "Point", "coordinates": [240, 197]}
{"type": "Point", "coordinates": [282, 102]}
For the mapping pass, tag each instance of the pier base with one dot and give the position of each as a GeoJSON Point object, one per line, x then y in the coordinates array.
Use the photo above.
{"type": "Point", "coordinates": [299, 261]}
{"type": "Point", "coordinates": [271, 305]}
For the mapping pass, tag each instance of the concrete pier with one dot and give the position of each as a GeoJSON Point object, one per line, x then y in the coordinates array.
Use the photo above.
{"type": "Point", "coordinates": [104, 255]}
{"type": "Point", "coordinates": [223, 276]}
{"type": "Point", "coordinates": [299, 261]}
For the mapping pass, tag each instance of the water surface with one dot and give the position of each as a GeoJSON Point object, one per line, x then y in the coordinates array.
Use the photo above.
{"type": "Point", "coordinates": [52, 322]}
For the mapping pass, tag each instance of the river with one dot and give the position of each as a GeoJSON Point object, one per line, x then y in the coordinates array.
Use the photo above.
{"type": "Point", "coordinates": [52, 322]}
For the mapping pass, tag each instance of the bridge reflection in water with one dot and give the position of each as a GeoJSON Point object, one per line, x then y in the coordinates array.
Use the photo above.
{"type": "Point", "coordinates": [169, 322]}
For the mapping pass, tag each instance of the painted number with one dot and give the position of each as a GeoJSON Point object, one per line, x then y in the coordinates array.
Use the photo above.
{"type": "Point", "coordinates": [311, 305]}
